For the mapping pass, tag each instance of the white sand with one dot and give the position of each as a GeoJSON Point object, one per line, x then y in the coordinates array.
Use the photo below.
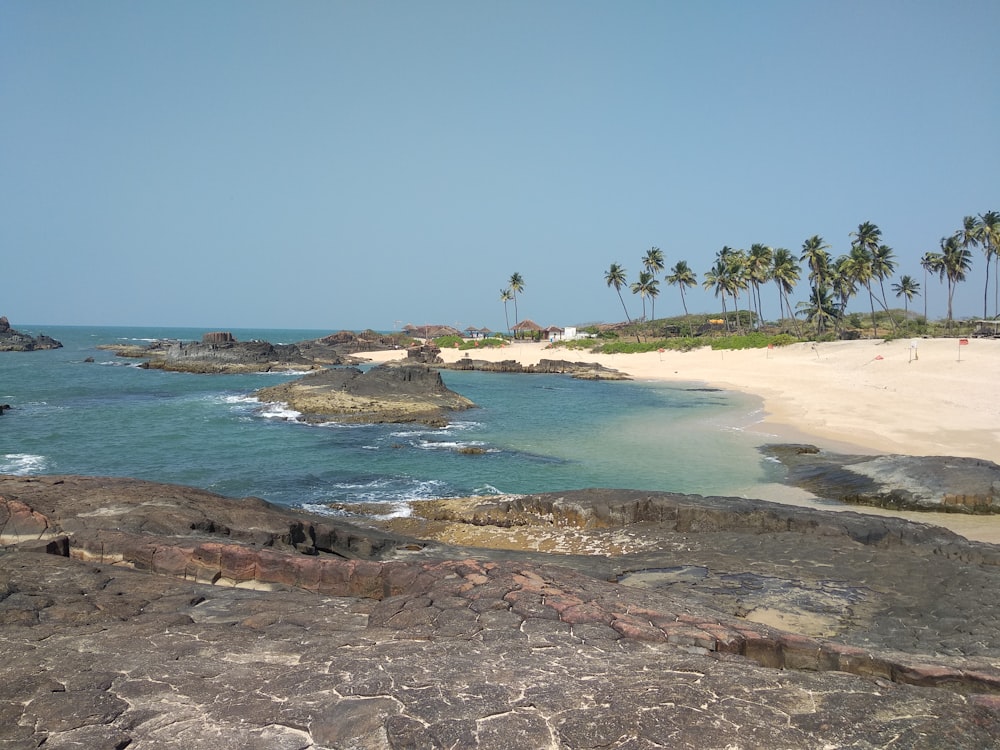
{"type": "Point", "coordinates": [937, 399]}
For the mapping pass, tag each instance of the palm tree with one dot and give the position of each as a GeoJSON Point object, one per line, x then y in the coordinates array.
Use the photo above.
{"type": "Point", "coordinates": [505, 297]}
{"type": "Point", "coordinates": [652, 261]}
{"type": "Point", "coordinates": [617, 278]}
{"type": "Point", "coordinates": [860, 265]}
{"type": "Point", "coordinates": [857, 266]}
{"type": "Point", "coordinates": [883, 264]}
{"type": "Point", "coordinates": [868, 237]}
{"type": "Point", "coordinates": [717, 280]}
{"type": "Point", "coordinates": [931, 263]}
{"type": "Point", "coordinates": [956, 260]}
{"type": "Point", "coordinates": [682, 276]}
{"type": "Point", "coordinates": [758, 271]}
{"type": "Point", "coordinates": [820, 309]}
{"type": "Point", "coordinates": [988, 237]}
{"type": "Point", "coordinates": [516, 285]}
{"type": "Point", "coordinates": [907, 288]}
{"type": "Point", "coordinates": [843, 286]}
{"type": "Point", "coordinates": [968, 237]}
{"type": "Point", "coordinates": [988, 232]}
{"type": "Point", "coordinates": [785, 273]}
{"type": "Point", "coordinates": [644, 288]}
{"type": "Point", "coordinates": [735, 276]}
{"type": "Point", "coordinates": [816, 255]}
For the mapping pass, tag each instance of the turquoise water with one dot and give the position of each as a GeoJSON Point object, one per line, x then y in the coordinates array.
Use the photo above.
{"type": "Point", "coordinates": [540, 432]}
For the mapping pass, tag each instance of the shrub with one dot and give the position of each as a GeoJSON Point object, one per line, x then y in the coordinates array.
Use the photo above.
{"type": "Point", "coordinates": [457, 342]}
{"type": "Point", "coordinates": [625, 346]}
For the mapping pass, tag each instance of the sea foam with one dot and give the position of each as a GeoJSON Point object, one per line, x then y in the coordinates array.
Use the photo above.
{"type": "Point", "coordinates": [22, 464]}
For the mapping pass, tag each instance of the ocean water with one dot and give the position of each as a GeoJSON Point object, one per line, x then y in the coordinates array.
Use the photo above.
{"type": "Point", "coordinates": [539, 432]}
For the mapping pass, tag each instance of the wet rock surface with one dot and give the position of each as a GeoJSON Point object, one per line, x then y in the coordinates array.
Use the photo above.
{"type": "Point", "coordinates": [939, 483]}
{"type": "Point", "coordinates": [384, 394]}
{"type": "Point", "coordinates": [323, 634]}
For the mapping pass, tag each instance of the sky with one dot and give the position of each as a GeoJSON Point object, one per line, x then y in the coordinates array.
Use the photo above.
{"type": "Point", "coordinates": [330, 165]}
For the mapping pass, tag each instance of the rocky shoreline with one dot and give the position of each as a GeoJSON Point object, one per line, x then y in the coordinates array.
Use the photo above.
{"type": "Point", "coordinates": [921, 483]}
{"type": "Point", "coordinates": [598, 618]}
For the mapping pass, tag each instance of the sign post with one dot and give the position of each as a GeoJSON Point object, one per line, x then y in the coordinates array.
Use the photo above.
{"type": "Point", "coordinates": [961, 343]}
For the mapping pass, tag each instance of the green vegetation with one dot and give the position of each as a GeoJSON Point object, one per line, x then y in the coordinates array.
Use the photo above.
{"type": "Point", "coordinates": [754, 340]}
{"type": "Point", "coordinates": [457, 342]}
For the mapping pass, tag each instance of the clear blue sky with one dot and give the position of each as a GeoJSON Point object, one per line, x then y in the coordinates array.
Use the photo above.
{"type": "Point", "coordinates": [354, 164]}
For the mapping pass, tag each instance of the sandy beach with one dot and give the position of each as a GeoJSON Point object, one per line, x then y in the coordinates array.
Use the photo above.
{"type": "Point", "coordinates": [922, 397]}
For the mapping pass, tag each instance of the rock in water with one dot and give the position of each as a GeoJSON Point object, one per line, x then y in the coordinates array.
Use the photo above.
{"type": "Point", "coordinates": [383, 394]}
{"type": "Point", "coordinates": [15, 341]}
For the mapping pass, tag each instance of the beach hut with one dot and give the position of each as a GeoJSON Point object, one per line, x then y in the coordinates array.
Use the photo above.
{"type": "Point", "coordinates": [554, 333]}
{"type": "Point", "coordinates": [527, 329]}
{"type": "Point", "coordinates": [987, 328]}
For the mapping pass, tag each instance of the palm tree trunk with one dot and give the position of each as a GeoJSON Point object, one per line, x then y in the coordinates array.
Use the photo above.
{"type": "Point", "coordinates": [623, 305]}
{"type": "Point", "coordinates": [892, 320]}
{"type": "Point", "coordinates": [987, 287]}
{"type": "Point", "coordinates": [871, 301]}
{"type": "Point", "coordinates": [795, 322]}
{"type": "Point", "coordinates": [951, 293]}
{"type": "Point", "coordinates": [925, 295]}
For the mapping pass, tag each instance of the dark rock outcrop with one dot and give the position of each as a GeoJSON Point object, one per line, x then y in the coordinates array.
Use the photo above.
{"type": "Point", "coordinates": [15, 341]}
{"type": "Point", "coordinates": [426, 354]}
{"type": "Point", "coordinates": [938, 483]}
{"type": "Point", "coordinates": [579, 370]}
{"type": "Point", "coordinates": [219, 351]}
{"type": "Point", "coordinates": [348, 347]}
{"type": "Point", "coordinates": [227, 356]}
{"type": "Point", "coordinates": [218, 337]}
{"type": "Point", "coordinates": [384, 394]}
{"type": "Point", "coordinates": [402, 643]}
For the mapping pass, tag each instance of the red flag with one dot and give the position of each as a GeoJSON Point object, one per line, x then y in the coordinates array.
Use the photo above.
{"type": "Point", "coordinates": [963, 342]}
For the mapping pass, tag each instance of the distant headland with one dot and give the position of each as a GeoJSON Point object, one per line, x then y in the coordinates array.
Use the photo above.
{"type": "Point", "coordinates": [15, 341]}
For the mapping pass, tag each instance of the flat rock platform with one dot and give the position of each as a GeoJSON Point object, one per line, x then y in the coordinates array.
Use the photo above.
{"type": "Point", "coordinates": [141, 615]}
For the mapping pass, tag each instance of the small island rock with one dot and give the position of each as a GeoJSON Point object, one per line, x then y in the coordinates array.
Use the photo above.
{"type": "Point", "coordinates": [383, 394]}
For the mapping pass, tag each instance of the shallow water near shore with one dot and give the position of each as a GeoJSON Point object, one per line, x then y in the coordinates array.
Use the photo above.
{"type": "Point", "coordinates": [531, 433]}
